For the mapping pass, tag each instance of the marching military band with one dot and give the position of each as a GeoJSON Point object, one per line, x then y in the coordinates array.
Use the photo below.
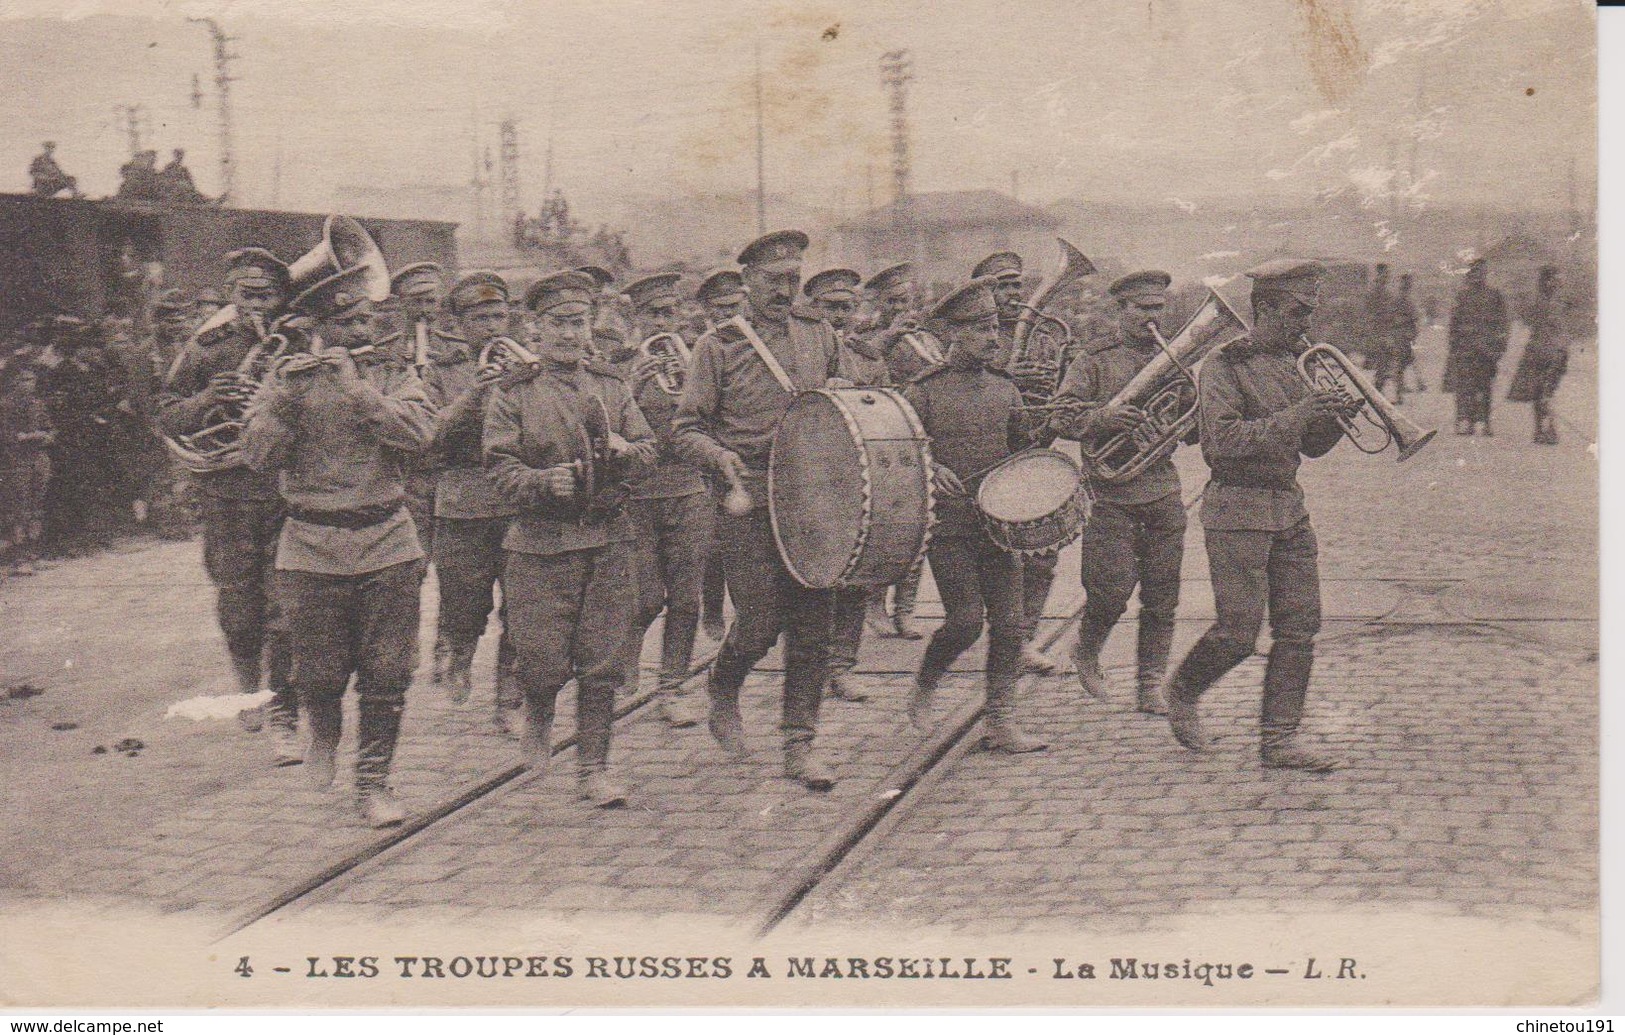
{"type": "Point", "coordinates": [578, 483]}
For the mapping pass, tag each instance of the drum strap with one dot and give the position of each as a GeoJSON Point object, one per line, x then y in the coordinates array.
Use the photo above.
{"type": "Point", "coordinates": [765, 353]}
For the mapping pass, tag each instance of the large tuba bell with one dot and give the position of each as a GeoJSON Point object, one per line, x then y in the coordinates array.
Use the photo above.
{"type": "Point", "coordinates": [673, 355]}
{"type": "Point", "coordinates": [1041, 338]}
{"type": "Point", "coordinates": [1372, 423]}
{"type": "Point", "coordinates": [1165, 391]}
{"type": "Point", "coordinates": [345, 244]}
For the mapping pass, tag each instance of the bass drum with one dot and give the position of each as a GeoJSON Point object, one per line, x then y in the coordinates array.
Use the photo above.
{"type": "Point", "coordinates": [849, 487]}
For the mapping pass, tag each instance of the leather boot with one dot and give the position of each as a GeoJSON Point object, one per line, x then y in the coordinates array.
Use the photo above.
{"type": "Point", "coordinates": [1001, 733]}
{"type": "Point", "coordinates": [805, 767]}
{"type": "Point", "coordinates": [1155, 641]}
{"type": "Point", "coordinates": [439, 663]}
{"type": "Point", "coordinates": [1286, 685]}
{"type": "Point", "coordinates": [459, 677]}
{"type": "Point", "coordinates": [1036, 661]}
{"type": "Point", "coordinates": [922, 701]}
{"type": "Point", "coordinates": [902, 606]}
{"type": "Point", "coordinates": [535, 742]}
{"type": "Point", "coordinates": [379, 729]}
{"type": "Point", "coordinates": [725, 723]}
{"type": "Point", "coordinates": [594, 784]}
{"type": "Point", "coordinates": [1092, 634]}
{"type": "Point", "coordinates": [325, 717]}
{"type": "Point", "coordinates": [679, 710]}
{"type": "Point", "coordinates": [282, 715]}
{"type": "Point", "coordinates": [843, 686]}
{"type": "Point", "coordinates": [1202, 667]}
{"type": "Point", "coordinates": [247, 671]}
{"type": "Point", "coordinates": [874, 613]}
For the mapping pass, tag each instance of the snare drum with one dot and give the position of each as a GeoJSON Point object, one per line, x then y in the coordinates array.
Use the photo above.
{"type": "Point", "coordinates": [1033, 503]}
{"type": "Point", "coordinates": [849, 487]}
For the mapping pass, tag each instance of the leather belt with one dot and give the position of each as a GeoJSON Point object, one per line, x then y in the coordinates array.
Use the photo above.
{"type": "Point", "coordinates": [359, 517]}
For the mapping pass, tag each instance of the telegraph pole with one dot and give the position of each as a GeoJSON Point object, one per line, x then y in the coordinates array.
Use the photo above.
{"type": "Point", "coordinates": [761, 179]}
{"type": "Point", "coordinates": [896, 70]}
{"type": "Point", "coordinates": [131, 114]}
{"type": "Point", "coordinates": [223, 79]}
{"type": "Point", "coordinates": [508, 170]}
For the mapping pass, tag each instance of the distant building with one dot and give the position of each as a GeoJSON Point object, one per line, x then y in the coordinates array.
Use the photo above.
{"type": "Point", "coordinates": [948, 231]}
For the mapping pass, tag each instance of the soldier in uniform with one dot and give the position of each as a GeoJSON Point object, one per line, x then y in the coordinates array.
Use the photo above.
{"type": "Point", "coordinates": [338, 428]}
{"type": "Point", "coordinates": [1478, 339]}
{"type": "Point", "coordinates": [739, 387]}
{"type": "Point", "coordinates": [470, 511]}
{"type": "Point", "coordinates": [1545, 358]}
{"type": "Point", "coordinates": [834, 294]}
{"type": "Point", "coordinates": [553, 438]}
{"type": "Point", "coordinates": [893, 332]}
{"type": "Point", "coordinates": [209, 301]}
{"type": "Point", "coordinates": [1038, 571]}
{"type": "Point", "coordinates": [48, 178]}
{"type": "Point", "coordinates": [146, 359]}
{"type": "Point", "coordinates": [722, 296]}
{"type": "Point", "coordinates": [240, 508]}
{"type": "Point", "coordinates": [972, 413]}
{"type": "Point", "coordinates": [1136, 531]}
{"type": "Point", "coordinates": [1258, 419]}
{"type": "Point", "coordinates": [417, 296]}
{"type": "Point", "coordinates": [672, 514]}
{"type": "Point", "coordinates": [25, 462]}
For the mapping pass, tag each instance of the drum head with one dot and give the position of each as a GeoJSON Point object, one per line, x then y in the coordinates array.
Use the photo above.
{"type": "Point", "coordinates": [818, 493]}
{"type": "Point", "coordinates": [1028, 486]}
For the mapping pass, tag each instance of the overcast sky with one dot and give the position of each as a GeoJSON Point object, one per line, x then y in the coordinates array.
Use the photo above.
{"type": "Point", "coordinates": [1145, 100]}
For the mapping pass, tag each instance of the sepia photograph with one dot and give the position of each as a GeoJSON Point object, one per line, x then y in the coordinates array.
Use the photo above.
{"type": "Point", "coordinates": [799, 505]}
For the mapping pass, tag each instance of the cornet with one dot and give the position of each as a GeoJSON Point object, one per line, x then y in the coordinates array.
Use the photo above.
{"type": "Point", "coordinates": [1377, 423]}
{"type": "Point", "coordinates": [673, 355]}
{"type": "Point", "coordinates": [508, 354]}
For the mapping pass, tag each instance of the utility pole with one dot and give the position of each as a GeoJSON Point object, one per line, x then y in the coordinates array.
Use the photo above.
{"type": "Point", "coordinates": [223, 79]}
{"type": "Point", "coordinates": [896, 70]}
{"type": "Point", "coordinates": [508, 168]}
{"type": "Point", "coordinates": [761, 179]}
{"type": "Point", "coordinates": [131, 114]}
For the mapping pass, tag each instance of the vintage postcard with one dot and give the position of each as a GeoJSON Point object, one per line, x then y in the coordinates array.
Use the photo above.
{"type": "Point", "coordinates": [806, 505]}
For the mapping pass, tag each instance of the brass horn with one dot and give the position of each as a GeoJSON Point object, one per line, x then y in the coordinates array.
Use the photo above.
{"type": "Point", "coordinates": [1038, 330]}
{"type": "Point", "coordinates": [673, 355]}
{"type": "Point", "coordinates": [507, 353]}
{"type": "Point", "coordinates": [1165, 390]}
{"type": "Point", "coordinates": [1377, 423]}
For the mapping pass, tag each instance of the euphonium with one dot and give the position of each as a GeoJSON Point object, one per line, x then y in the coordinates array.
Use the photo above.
{"type": "Point", "coordinates": [1376, 423]}
{"type": "Point", "coordinates": [1041, 332]}
{"type": "Point", "coordinates": [215, 447]}
{"type": "Point", "coordinates": [507, 353]}
{"type": "Point", "coordinates": [1165, 391]}
{"type": "Point", "coordinates": [673, 354]}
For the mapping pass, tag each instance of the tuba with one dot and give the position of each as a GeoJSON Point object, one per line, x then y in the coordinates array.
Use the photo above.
{"type": "Point", "coordinates": [1165, 390]}
{"type": "Point", "coordinates": [673, 354]}
{"type": "Point", "coordinates": [344, 245]}
{"type": "Point", "coordinates": [1044, 334]}
{"type": "Point", "coordinates": [1373, 422]}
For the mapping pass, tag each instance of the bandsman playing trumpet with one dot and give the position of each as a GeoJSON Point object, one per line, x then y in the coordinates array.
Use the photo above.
{"type": "Point", "coordinates": [671, 510]}
{"type": "Point", "coordinates": [241, 511]}
{"type": "Point", "coordinates": [1038, 571]}
{"type": "Point", "coordinates": [337, 426]}
{"type": "Point", "coordinates": [1258, 419]}
{"type": "Point", "coordinates": [417, 296]}
{"type": "Point", "coordinates": [1136, 530]}
{"type": "Point", "coordinates": [834, 294]}
{"type": "Point", "coordinates": [721, 296]}
{"type": "Point", "coordinates": [553, 438]}
{"type": "Point", "coordinates": [470, 511]}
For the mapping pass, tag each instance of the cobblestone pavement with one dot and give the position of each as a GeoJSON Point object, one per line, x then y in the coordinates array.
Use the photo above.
{"type": "Point", "coordinates": [1472, 789]}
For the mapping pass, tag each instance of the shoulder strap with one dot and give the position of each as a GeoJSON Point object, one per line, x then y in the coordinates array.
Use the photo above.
{"type": "Point", "coordinates": [763, 352]}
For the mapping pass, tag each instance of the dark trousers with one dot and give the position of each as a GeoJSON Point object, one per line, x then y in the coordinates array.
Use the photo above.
{"type": "Point", "coordinates": [361, 625]}
{"type": "Point", "coordinates": [980, 585]}
{"type": "Point", "coordinates": [1129, 544]}
{"type": "Point", "coordinates": [715, 588]}
{"type": "Point", "coordinates": [1254, 573]}
{"type": "Point", "coordinates": [1037, 576]}
{"type": "Point", "coordinates": [846, 635]}
{"type": "Point", "coordinates": [674, 536]}
{"type": "Point", "coordinates": [1473, 395]}
{"type": "Point", "coordinates": [568, 615]}
{"type": "Point", "coordinates": [420, 504]}
{"type": "Point", "coordinates": [767, 602]}
{"type": "Point", "coordinates": [468, 559]}
{"type": "Point", "coordinates": [239, 553]}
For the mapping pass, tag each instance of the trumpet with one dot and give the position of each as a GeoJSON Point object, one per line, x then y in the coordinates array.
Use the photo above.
{"type": "Point", "coordinates": [673, 355]}
{"type": "Point", "coordinates": [1374, 423]}
{"type": "Point", "coordinates": [1165, 391]}
{"type": "Point", "coordinates": [508, 354]}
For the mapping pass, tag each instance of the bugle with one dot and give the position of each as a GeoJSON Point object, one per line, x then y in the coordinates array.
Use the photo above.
{"type": "Point", "coordinates": [1373, 422]}
{"type": "Point", "coordinates": [1164, 390]}
{"type": "Point", "coordinates": [505, 352]}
